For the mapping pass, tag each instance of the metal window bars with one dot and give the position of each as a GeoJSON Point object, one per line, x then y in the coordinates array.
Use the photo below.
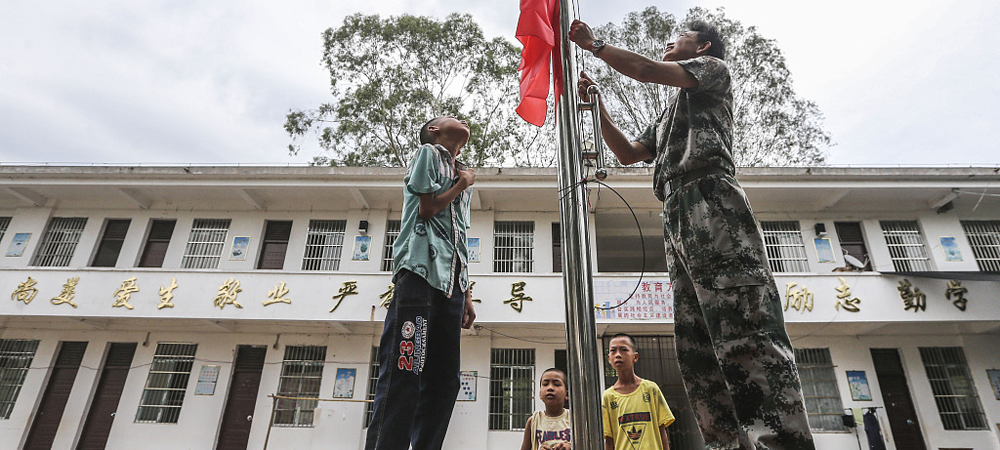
{"type": "Point", "coordinates": [205, 244]}
{"type": "Point", "coordinates": [819, 388]}
{"type": "Point", "coordinates": [324, 244]}
{"type": "Point", "coordinates": [59, 241]}
{"type": "Point", "coordinates": [954, 391]}
{"type": "Point", "coordinates": [984, 237]}
{"type": "Point", "coordinates": [15, 359]}
{"type": "Point", "coordinates": [373, 372]}
{"type": "Point", "coordinates": [301, 375]}
{"type": "Point", "coordinates": [512, 374]}
{"type": "Point", "coordinates": [785, 250]}
{"type": "Point", "coordinates": [906, 246]}
{"type": "Point", "coordinates": [513, 242]}
{"type": "Point", "coordinates": [4, 223]}
{"type": "Point", "coordinates": [391, 233]}
{"type": "Point", "coordinates": [166, 384]}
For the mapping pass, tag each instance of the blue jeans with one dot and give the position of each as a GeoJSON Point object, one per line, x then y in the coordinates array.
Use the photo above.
{"type": "Point", "coordinates": [419, 357]}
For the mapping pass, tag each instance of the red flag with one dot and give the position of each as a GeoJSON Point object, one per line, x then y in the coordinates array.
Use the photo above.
{"type": "Point", "coordinates": [538, 31]}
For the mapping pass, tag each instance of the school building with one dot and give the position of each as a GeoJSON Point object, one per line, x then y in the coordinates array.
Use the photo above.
{"type": "Point", "coordinates": [184, 298]}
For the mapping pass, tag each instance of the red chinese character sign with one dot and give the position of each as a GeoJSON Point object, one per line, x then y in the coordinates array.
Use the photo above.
{"type": "Point", "coordinates": [654, 300]}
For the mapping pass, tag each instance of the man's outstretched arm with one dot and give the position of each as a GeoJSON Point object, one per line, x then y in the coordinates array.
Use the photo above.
{"type": "Point", "coordinates": [627, 151]}
{"type": "Point", "coordinates": [633, 65]}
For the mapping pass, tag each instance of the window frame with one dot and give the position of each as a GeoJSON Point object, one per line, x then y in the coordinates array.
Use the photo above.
{"type": "Point", "coordinates": [817, 361]}
{"type": "Point", "coordinates": [14, 365]}
{"type": "Point", "coordinates": [784, 246]}
{"type": "Point", "coordinates": [303, 412]}
{"type": "Point", "coordinates": [508, 257]}
{"type": "Point", "coordinates": [206, 243]}
{"type": "Point", "coordinates": [906, 244]}
{"type": "Point", "coordinates": [942, 375]}
{"type": "Point", "coordinates": [58, 243]}
{"type": "Point", "coordinates": [322, 252]}
{"type": "Point", "coordinates": [167, 354]}
{"type": "Point", "coordinates": [984, 238]}
{"type": "Point", "coordinates": [512, 388]}
{"type": "Point", "coordinates": [392, 228]}
{"type": "Point", "coordinates": [106, 245]}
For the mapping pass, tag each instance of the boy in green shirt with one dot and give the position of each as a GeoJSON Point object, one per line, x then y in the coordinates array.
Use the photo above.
{"type": "Point", "coordinates": [635, 413]}
{"type": "Point", "coordinates": [419, 354]}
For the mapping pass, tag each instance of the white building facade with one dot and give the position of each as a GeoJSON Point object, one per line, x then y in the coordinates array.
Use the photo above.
{"type": "Point", "coordinates": [162, 307]}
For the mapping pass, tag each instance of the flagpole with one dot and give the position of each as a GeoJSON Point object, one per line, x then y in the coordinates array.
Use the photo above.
{"type": "Point", "coordinates": [581, 327]}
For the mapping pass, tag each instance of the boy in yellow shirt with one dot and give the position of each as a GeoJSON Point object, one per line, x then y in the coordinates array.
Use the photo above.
{"type": "Point", "coordinates": [635, 413]}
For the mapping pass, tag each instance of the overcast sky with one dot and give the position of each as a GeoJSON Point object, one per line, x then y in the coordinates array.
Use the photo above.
{"type": "Point", "coordinates": [899, 82]}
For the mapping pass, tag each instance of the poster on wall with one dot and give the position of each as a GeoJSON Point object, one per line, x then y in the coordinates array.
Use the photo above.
{"type": "Point", "coordinates": [240, 246]}
{"type": "Point", "coordinates": [824, 250]}
{"type": "Point", "coordinates": [950, 248]}
{"type": "Point", "coordinates": [859, 385]}
{"type": "Point", "coordinates": [207, 379]}
{"type": "Point", "coordinates": [474, 249]}
{"type": "Point", "coordinates": [362, 247]}
{"type": "Point", "coordinates": [652, 299]}
{"type": "Point", "coordinates": [18, 244]}
{"type": "Point", "coordinates": [994, 376]}
{"type": "Point", "coordinates": [344, 386]}
{"type": "Point", "coordinates": [467, 386]}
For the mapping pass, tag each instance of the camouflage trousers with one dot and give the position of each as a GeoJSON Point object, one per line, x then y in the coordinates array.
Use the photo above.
{"type": "Point", "coordinates": [734, 353]}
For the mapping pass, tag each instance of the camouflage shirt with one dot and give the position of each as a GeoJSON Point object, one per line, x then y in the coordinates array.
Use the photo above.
{"type": "Point", "coordinates": [435, 248]}
{"type": "Point", "coordinates": [696, 129]}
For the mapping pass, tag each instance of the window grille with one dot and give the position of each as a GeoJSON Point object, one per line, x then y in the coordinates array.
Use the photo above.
{"type": "Point", "coordinates": [15, 359]}
{"type": "Point", "coordinates": [785, 250]}
{"type": "Point", "coordinates": [59, 241]}
{"type": "Point", "coordinates": [512, 246]}
{"type": "Point", "coordinates": [301, 374]}
{"type": "Point", "coordinates": [512, 373]}
{"type": "Point", "coordinates": [391, 233]}
{"type": "Point", "coordinates": [906, 246]}
{"type": "Point", "coordinates": [324, 243]}
{"type": "Point", "coordinates": [819, 387]}
{"type": "Point", "coordinates": [205, 244]}
{"type": "Point", "coordinates": [954, 392]}
{"type": "Point", "coordinates": [373, 368]}
{"type": "Point", "coordinates": [167, 383]}
{"type": "Point", "coordinates": [4, 223]}
{"type": "Point", "coordinates": [984, 237]}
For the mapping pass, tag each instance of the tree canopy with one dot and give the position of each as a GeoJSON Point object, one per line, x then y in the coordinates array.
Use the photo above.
{"type": "Point", "coordinates": [389, 76]}
{"type": "Point", "coordinates": [773, 125]}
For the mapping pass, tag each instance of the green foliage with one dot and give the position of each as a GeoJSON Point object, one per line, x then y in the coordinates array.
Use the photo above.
{"type": "Point", "coordinates": [389, 76]}
{"type": "Point", "coordinates": [773, 126]}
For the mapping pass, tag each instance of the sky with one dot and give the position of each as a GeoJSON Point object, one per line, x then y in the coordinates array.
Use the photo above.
{"type": "Point", "coordinates": [911, 83]}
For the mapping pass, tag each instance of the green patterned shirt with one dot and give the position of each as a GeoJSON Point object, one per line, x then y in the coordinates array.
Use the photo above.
{"type": "Point", "coordinates": [696, 129]}
{"type": "Point", "coordinates": [437, 248]}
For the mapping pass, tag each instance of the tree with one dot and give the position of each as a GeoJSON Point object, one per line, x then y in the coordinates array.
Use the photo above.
{"type": "Point", "coordinates": [389, 76]}
{"type": "Point", "coordinates": [773, 125]}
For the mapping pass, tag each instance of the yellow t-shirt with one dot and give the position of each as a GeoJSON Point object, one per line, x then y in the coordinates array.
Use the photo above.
{"type": "Point", "coordinates": [634, 420]}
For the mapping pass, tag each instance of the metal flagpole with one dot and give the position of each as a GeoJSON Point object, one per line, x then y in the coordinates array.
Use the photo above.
{"type": "Point", "coordinates": [581, 329]}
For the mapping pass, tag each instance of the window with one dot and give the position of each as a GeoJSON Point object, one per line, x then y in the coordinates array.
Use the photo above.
{"type": "Point", "coordinates": [819, 387]}
{"type": "Point", "coordinates": [59, 242]}
{"type": "Point", "coordinates": [4, 223]}
{"type": "Point", "coordinates": [512, 246]}
{"type": "Point", "coordinates": [391, 233]}
{"type": "Point", "coordinates": [984, 237]}
{"type": "Point", "coordinates": [906, 246]}
{"type": "Point", "coordinates": [15, 358]}
{"type": "Point", "coordinates": [373, 368]}
{"type": "Point", "coordinates": [167, 382]}
{"type": "Point", "coordinates": [301, 373]}
{"type": "Point", "coordinates": [954, 392]}
{"type": "Point", "coordinates": [556, 247]}
{"type": "Point", "coordinates": [324, 243]}
{"type": "Point", "coordinates": [205, 244]}
{"type": "Point", "coordinates": [852, 242]}
{"type": "Point", "coordinates": [157, 243]}
{"type": "Point", "coordinates": [512, 373]}
{"type": "Point", "coordinates": [111, 243]}
{"type": "Point", "coordinates": [272, 250]}
{"type": "Point", "coordinates": [785, 251]}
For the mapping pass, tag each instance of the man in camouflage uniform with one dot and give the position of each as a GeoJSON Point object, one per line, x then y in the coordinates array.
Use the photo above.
{"type": "Point", "coordinates": [734, 353]}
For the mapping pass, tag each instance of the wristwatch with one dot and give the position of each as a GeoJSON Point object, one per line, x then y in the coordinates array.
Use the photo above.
{"type": "Point", "coordinates": [598, 45]}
